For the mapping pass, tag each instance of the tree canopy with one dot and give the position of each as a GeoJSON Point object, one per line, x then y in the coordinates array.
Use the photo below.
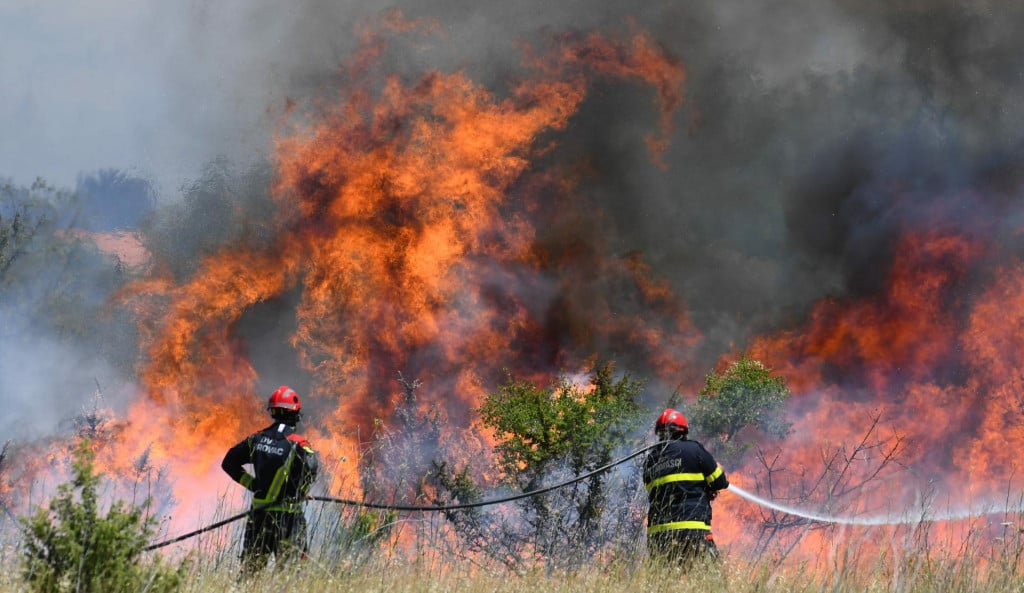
{"type": "Point", "coordinates": [744, 396]}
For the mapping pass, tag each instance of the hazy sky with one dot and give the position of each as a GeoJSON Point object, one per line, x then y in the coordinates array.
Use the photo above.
{"type": "Point", "coordinates": [149, 87]}
{"type": "Point", "coordinates": [157, 88]}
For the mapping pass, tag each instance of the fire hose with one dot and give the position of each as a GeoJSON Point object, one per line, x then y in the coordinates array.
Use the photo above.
{"type": "Point", "coordinates": [411, 508]}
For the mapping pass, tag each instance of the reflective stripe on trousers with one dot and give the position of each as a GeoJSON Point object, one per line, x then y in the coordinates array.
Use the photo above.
{"type": "Point", "coordinates": [678, 525]}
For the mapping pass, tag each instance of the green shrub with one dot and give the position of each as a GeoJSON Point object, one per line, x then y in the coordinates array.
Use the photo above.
{"type": "Point", "coordinates": [745, 395]}
{"type": "Point", "coordinates": [541, 431]}
{"type": "Point", "coordinates": [71, 547]}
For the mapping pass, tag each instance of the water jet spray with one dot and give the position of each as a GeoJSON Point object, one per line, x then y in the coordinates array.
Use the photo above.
{"type": "Point", "coordinates": [877, 520]}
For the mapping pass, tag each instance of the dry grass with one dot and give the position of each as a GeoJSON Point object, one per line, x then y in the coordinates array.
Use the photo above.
{"type": "Point", "coordinates": [980, 556]}
{"type": "Point", "coordinates": [914, 571]}
{"type": "Point", "coordinates": [949, 574]}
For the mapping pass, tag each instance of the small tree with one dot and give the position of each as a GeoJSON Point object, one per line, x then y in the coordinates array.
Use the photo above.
{"type": "Point", "coordinates": [745, 395]}
{"type": "Point", "coordinates": [544, 434]}
{"type": "Point", "coordinates": [71, 547]}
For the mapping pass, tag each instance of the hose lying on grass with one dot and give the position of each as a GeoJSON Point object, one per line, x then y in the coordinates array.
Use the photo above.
{"type": "Point", "coordinates": [400, 507]}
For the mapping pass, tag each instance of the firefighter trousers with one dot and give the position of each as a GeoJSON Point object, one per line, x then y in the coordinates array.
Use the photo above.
{"type": "Point", "coordinates": [683, 547]}
{"type": "Point", "coordinates": [278, 533]}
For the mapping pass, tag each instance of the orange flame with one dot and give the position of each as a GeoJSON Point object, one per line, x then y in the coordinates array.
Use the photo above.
{"type": "Point", "coordinates": [892, 352]}
{"type": "Point", "coordinates": [409, 237]}
{"type": "Point", "coordinates": [407, 232]}
{"type": "Point", "coordinates": [934, 359]}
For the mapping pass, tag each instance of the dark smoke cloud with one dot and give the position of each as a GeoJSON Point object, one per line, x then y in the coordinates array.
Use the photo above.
{"type": "Point", "coordinates": [812, 123]}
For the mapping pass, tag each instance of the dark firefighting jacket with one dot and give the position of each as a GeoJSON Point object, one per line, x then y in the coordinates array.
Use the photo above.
{"type": "Point", "coordinates": [284, 467]}
{"type": "Point", "coordinates": [681, 477]}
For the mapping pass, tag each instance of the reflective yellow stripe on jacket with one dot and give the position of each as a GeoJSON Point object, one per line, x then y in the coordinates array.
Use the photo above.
{"type": "Point", "coordinates": [678, 525]}
{"type": "Point", "coordinates": [687, 477]}
{"type": "Point", "coordinates": [274, 492]}
{"type": "Point", "coordinates": [674, 478]}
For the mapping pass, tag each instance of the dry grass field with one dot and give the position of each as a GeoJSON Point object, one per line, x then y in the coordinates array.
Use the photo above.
{"type": "Point", "coordinates": [967, 567]}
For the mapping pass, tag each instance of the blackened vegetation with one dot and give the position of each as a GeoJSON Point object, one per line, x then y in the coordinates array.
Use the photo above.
{"type": "Point", "coordinates": [4, 488]}
{"type": "Point", "coordinates": [395, 466]}
{"type": "Point", "coordinates": [222, 208]}
{"type": "Point", "coordinates": [95, 420]}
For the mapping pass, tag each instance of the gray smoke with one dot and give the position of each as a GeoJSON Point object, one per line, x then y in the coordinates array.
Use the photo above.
{"type": "Point", "coordinates": [63, 353]}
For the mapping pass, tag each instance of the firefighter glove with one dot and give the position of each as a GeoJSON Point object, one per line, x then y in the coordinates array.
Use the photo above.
{"type": "Point", "coordinates": [246, 480]}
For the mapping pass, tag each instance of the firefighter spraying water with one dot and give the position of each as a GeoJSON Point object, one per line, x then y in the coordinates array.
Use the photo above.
{"type": "Point", "coordinates": [682, 479]}
{"type": "Point", "coordinates": [284, 467]}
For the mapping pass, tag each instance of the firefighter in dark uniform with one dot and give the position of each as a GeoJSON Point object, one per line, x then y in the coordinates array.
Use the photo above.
{"type": "Point", "coordinates": [284, 467]}
{"type": "Point", "coordinates": [682, 479]}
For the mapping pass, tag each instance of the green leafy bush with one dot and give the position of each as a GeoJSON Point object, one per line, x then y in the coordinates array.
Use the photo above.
{"type": "Point", "coordinates": [537, 427]}
{"type": "Point", "coordinates": [546, 434]}
{"type": "Point", "coordinates": [745, 395]}
{"type": "Point", "coordinates": [69, 546]}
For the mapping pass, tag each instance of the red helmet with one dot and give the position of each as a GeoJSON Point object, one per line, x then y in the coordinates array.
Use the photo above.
{"type": "Point", "coordinates": [671, 421]}
{"type": "Point", "coordinates": [284, 398]}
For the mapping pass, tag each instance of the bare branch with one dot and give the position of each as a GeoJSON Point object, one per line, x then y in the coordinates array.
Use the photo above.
{"type": "Point", "coordinates": [845, 472]}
